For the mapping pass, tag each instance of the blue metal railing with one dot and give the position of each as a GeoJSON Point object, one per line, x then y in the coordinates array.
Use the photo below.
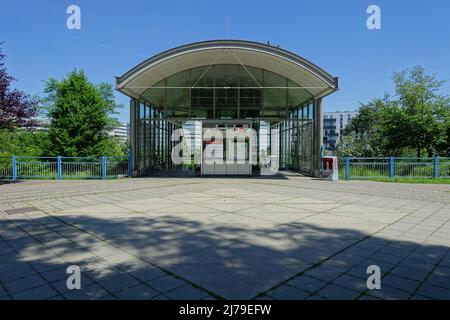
{"type": "Point", "coordinates": [60, 168]}
{"type": "Point", "coordinates": [392, 167]}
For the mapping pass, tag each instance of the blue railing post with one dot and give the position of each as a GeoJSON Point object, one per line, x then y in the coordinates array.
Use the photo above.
{"type": "Point", "coordinates": [104, 159]}
{"type": "Point", "coordinates": [14, 168]}
{"type": "Point", "coordinates": [436, 167]}
{"type": "Point", "coordinates": [347, 168]}
{"type": "Point", "coordinates": [59, 168]}
{"type": "Point", "coordinates": [391, 167]}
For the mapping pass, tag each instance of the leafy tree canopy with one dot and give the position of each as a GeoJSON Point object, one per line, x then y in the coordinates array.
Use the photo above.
{"type": "Point", "coordinates": [22, 142]}
{"type": "Point", "coordinates": [81, 115]}
{"type": "Point", "coordinates": [416, 117]}
{"type": "Point", "coordinates": [16, 108]}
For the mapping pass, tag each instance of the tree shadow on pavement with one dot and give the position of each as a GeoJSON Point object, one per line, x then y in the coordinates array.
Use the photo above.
{"type": "Point", "coordinates": [178, 257]}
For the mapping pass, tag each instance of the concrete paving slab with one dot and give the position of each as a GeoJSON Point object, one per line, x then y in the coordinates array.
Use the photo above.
{"type": "Point", "coordinates": [236, 238]}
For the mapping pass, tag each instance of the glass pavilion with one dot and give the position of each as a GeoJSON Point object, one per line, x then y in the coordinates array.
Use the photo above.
{"type": "Point", "coordinates": [227, 84]}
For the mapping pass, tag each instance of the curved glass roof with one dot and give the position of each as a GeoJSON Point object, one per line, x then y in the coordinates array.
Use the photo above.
{"type": "Point", "coordinates": [226, 78]}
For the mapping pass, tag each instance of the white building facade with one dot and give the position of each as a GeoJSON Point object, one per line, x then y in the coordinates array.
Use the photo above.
{"type": "Point", "coordinates": [121, 132]}
{"type": "Point", "coordinates": [334, 124]}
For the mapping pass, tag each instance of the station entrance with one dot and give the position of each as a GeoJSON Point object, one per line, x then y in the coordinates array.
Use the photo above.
{"type": "Point", "coordinates": [228, 148]}
{"type": "Point", "coordinates": [243, 108]}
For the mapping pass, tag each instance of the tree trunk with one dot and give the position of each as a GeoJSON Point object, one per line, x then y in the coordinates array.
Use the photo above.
{"type": "Point", "coordinates": [418, 152]}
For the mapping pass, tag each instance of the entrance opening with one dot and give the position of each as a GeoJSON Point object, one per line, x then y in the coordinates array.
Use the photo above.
{"type": "Point", "coordinates": [228, 148]}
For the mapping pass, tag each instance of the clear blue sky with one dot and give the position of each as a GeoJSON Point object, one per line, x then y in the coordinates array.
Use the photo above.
{"type": "Point", "coordinates": [115, 36]}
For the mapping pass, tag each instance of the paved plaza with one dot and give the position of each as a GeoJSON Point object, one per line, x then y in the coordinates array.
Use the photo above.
{"type": "Point", "coordinates": [203, 238]}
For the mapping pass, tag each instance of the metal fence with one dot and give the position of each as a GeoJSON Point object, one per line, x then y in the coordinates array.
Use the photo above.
{"type": "Point", "coordinates": [59, 168]}
{"type": "Point", "coordinates": [367, 168]}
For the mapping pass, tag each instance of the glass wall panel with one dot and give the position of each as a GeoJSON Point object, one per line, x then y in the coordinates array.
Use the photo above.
{"type": "Point", "coordinates": [226, 92]}
{"type": "Point", "coordinates": [141, 147]}
{"type": "Point", "coordinates": [250, 93]}
{"type": "Point", "coordinates": [177, 95]}
{"type": "Point", "coordinates": [275, 95]}
{"type": "Point", "coordinates": [306, 154]}
{"type": "Point", "coordinates": [147, 136]}
{"type": "Point", "coordinates": [202, 92]}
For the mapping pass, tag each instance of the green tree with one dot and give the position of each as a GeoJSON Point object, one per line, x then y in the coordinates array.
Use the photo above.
{"type": "Point", "coordinates": [443, 146]}
{"type": "Point", "coordinates": [351, 146]}
{"type": "Point", "coordinates": [419, 97]}
{"type": "Point", "coordinates": [378, 130]}
{"type": "Point", "coordinates": [81, 117]}
{"type": "Point", "coordinates": [416, 117]}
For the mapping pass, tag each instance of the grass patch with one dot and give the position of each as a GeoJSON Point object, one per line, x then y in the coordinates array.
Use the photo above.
{"type": "Point", "coordinates": [411, 180]}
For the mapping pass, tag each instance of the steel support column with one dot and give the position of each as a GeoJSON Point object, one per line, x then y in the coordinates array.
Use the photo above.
{"type": "Point", "coordinates": [318, 135]}
{"type": "Point", "coordinates": [134, 134]}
